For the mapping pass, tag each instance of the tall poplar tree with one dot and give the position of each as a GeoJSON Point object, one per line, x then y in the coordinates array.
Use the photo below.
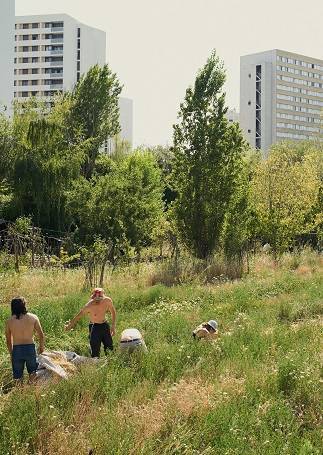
{"type": "Point", "coordinates": [207, 160]}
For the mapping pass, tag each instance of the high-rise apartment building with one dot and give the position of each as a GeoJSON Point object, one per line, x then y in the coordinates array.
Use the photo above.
{"type": "Point", "coordinates": [52, 52]}
{"type": "Point", "coordinates": [281, 97]}
{"type": "Point", "coordinates": [7, 21]}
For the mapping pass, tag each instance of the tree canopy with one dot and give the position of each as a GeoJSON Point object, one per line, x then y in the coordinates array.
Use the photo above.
{"type": "Point", "coordinates": [207, 160]}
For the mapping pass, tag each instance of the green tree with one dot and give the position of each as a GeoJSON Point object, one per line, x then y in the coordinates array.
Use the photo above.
{"type": "Point", "coordinates": [41, 163]}
{"type": "Point", "coordinates": [285, 193]}
{"type": "Point", "coordinates": [207, 160]}
{"type": "Point", "coordinates": [95, 112]}
{"type": "Point", "coordinates": [241, 224]}
{"type": "Point", "coordinates": [123, 206]}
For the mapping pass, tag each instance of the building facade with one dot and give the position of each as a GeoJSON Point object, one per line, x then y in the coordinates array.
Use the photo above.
{"type": "Point", "coordinates": [52, 52]}
{"type": "Point", "coordinates": [281, 97]}
{"type": "Point", "coordinates": [233, 116]}
{"type": "Point", "coordinates": [7, 21]}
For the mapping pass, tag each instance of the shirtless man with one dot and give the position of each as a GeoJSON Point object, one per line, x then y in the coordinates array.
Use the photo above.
{"type": "Point", "coordinates": [19, 330]}
{"type": "Point", "coordinates": [99, 329]}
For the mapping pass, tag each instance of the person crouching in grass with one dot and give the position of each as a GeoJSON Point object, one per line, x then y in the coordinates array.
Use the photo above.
{"type": "Point", "coordinates": [207, 330]}
{"type": "Point", "coordinates": [99, 329]}
{"type": "Point", "coordinates": [131, 340]}
{"type": "Point", "coordinates": [19, 330]}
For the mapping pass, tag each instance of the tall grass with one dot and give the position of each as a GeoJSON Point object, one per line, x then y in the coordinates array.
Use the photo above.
{"type": "Point", "coordinates": [253, 391]}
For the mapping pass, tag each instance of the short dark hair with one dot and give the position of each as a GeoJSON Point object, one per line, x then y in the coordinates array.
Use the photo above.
{"type": "Point", "coordinates": [18, 307]}
{"type": "Point", "coordinates": [209, 327]}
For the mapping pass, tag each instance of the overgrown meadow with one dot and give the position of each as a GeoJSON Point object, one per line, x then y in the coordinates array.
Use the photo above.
{"type": "Point", "coordinates": [256, 390]}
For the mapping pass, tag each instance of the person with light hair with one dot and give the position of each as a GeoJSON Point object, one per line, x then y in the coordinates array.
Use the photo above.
{"type": "Point", "coordinates": [206, 330]}
{"type": "Point", "coordinates": [99, 329]}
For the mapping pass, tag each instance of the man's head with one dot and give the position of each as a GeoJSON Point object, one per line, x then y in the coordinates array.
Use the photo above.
{"type": "Point", "coordinates": [98, 293]}
{"type": "Point", "coordinates": [18, 307]}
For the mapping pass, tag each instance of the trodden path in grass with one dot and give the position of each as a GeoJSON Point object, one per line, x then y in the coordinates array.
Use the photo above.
{"type": "Point", "coordinates": [256, 390]}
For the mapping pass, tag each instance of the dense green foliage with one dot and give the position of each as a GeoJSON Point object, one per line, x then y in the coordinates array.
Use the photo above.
{"type": "Point", "coordinates": [254, 391]}
{"type": "Point", "coordinates": [53, 172]}
{"type": "Point", "coordinates": [286, 193]}
{"type": "Point", "coordinates": [123, 206]}
{"type": "Point", "coordinates": [207, 161]}
{"type": "Point", "coordinates": [207, 194]}
{"type": "Point", "coordinates": [95, 111]}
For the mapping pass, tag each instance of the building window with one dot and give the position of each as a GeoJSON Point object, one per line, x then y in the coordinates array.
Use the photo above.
{"type": "Point", "coordinates": [249, 103]}
{"type": "Point", "coordinates": [249, 131]}
{"type": "Point", "coordinates": [57, 24]}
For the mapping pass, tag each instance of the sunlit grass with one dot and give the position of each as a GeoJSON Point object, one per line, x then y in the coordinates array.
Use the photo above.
{"type": "Point", "coordinates": [256, 390]}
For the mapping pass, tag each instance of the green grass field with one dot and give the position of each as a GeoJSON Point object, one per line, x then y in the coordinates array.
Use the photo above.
{"type": "Point", "coordinates": [256, 390]}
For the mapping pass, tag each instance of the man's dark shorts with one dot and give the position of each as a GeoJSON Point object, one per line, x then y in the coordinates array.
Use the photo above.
{"type": "Point", "coordinates": [24, 354]}
{"type": "Point", "coordinates": [100, 334]}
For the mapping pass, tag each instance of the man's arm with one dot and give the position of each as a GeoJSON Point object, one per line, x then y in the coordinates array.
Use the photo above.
{"type": "Point", "coordinates": [113, 315]}
{"type": "Point", "coordinates": [8, 337]}
{"type": "Point", "coordinates": [40, 335]}
{"type": "Point", "coordinates": [70, 325]}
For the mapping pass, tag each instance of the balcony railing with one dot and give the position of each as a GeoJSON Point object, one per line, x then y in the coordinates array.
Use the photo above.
{"type": "Point", "coordinates": [56, 52]}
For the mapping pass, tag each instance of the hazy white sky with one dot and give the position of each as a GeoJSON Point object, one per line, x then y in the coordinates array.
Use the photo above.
{"type": "Point", "coordinates": [156, 46]}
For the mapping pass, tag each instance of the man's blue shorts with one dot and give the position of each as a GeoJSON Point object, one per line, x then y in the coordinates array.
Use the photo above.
{"type": "Point", "coordinates": [24, 354]}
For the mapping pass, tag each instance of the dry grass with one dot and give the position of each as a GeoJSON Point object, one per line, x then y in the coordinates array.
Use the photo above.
{"type": "Point", "coordinates": [72, 439]}
{"type": "Point", "coordinates": [187, 270]}
{"type": "Point", "coordinates": [187, 397]}
{"type": "Point", "coordinates": [38, 285]}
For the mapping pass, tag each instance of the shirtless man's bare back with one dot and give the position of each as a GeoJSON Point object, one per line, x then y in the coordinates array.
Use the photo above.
{"type": "Point", "coordinates": [20, 330]}
{"type": "Point", "coordinates": [99, 329]}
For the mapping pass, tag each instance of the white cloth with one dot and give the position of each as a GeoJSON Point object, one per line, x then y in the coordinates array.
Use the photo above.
{"type": "Point", "coordinates": [59, 364]}
{"type": "Point", "coordinates": [131, 340]}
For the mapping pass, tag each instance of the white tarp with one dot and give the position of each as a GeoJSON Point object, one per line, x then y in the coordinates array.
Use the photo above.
{"type": "Point", "coordinates": [59, 364]}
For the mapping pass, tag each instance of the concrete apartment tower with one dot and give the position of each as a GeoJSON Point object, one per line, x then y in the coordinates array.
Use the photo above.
{"type": "Point", "coordinates": [7, 23]}
{"type": "Point", "coordinates": [281, 97]}
{"type": "Point", "coordinates": [51, 54]}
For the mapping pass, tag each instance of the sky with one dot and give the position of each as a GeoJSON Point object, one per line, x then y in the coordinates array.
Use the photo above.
{"type": "Point", "coordinates": [157, 46]}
